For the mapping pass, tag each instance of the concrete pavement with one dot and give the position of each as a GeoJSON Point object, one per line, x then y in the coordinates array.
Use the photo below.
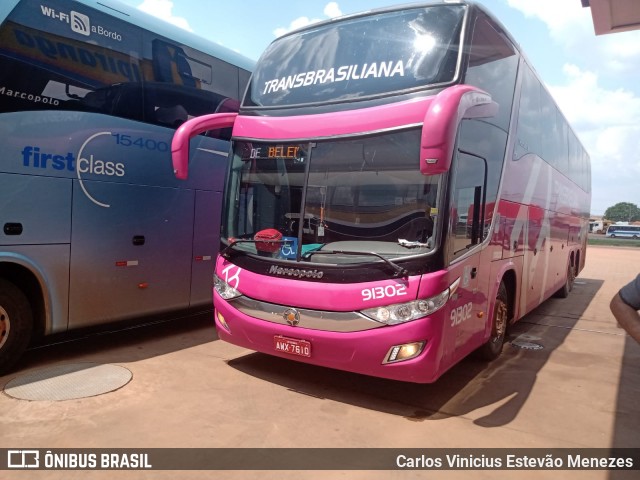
{"type": "Point", "coordinates": [191, 390]}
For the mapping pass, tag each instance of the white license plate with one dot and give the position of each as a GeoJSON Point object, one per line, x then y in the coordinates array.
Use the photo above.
{"type": "Point", "coordinates": [293, 346]}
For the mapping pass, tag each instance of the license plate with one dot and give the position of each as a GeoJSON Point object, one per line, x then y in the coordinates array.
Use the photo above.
{"type": "Point", "coordinates": [293, 346]}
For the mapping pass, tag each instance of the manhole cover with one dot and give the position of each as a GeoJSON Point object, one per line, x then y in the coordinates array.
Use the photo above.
{"type": "Point", "coordinates": [66, 382]}
{"type": "Point", "coordinates": [527, 345]}
{"type": "Point", "coordinates": [526, 337]}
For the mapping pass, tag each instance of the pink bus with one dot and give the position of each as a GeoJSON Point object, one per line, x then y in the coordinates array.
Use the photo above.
{"type": "Point", "coordinates": [359, 148]}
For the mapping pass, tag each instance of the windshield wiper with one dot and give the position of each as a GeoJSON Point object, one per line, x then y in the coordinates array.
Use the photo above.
{"type": "Point", "coordinates": [399, 271]}
{"type": "Point", "coordinates": [232, 243]}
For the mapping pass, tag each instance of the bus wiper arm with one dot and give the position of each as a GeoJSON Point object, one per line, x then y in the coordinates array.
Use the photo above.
{"type": "Point", "coordinates": [399, 271]}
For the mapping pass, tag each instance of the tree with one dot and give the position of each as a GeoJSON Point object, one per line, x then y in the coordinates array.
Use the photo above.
{"type": "Point", "coordinates": [623, 212]}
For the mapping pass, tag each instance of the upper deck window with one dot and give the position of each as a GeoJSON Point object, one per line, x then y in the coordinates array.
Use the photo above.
{"type": "Point", "coordinates": [75, 58]}
{"type": "Point", "coordinates": [360, 57]}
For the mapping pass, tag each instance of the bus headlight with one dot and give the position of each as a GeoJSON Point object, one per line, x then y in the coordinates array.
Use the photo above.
{"type": "Point", "coordinates": [225, 290]}
{"type": "Point", "coordinates": [406, 312]}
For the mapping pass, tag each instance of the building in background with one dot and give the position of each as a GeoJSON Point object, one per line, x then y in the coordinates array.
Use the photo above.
{"type": "Point", "coordinates": [613, 16]}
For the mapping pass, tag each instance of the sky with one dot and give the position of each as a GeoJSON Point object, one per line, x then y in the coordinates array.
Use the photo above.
{"type": "Point", "coordinates": [594, 79]}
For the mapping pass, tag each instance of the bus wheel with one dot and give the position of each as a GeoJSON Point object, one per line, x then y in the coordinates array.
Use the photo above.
{"type": "Point", "coordinates": [16, 323]}
{"type": "Point", "coordinates": [493, 348]}
{"type": "Point", "coordinates": [568, 283]}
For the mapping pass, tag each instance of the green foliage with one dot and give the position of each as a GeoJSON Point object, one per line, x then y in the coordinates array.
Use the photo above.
{"type": "Point", "coordinates": [623, 212]}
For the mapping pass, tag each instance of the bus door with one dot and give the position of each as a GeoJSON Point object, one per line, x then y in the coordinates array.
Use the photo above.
{"type": "Point", "coordinates": [465, 235]}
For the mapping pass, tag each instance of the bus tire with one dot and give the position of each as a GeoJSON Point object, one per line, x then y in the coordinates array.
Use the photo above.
{"type": "Point", "coordinates": [493, 348]}
{"type": "Point", "coordinates": [16, 324]}
{"type": "Point", "coordinates": [565, 290]}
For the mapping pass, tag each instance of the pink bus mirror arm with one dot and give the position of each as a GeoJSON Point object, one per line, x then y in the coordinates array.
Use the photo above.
{"type": "Point", "coordinates": [188, 130]}
{"type": "Point", "coordinates": [441, 122]}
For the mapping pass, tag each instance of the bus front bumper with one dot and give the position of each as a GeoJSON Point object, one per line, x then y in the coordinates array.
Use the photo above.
{"type": "Point", "coordinates": [362, 352]}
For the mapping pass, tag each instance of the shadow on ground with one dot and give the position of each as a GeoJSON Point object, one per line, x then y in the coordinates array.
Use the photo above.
{"type": "Point", "coordinates": [471, 385]}
{"type": "Point", "coordinates": [126, 342]}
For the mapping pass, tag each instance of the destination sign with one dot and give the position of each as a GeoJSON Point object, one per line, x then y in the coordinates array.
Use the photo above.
{"type": "Point", "coordinates": [276, 151]}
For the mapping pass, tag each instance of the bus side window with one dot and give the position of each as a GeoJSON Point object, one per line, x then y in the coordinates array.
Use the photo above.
{"type": "Point", "coordinates": [466, 215]}
{"type": "Point", "coordinates": [70, 76]}
{"type": "Point", "coordinates": [171, 65]}
{"type": "Point", "coordinates": [493, 64]}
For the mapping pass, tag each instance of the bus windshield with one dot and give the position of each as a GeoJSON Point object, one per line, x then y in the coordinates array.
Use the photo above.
{"type": "Point", "coordinates": [360, 57]}
{"type": "Point", "coordinates": [353, 196]}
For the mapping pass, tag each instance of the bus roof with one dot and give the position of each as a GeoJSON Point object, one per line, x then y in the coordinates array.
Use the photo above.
{"type": "Point", "coordinates": [141, 19]}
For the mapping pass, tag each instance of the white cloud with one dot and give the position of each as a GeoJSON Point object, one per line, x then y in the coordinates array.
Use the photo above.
{"type": "Point", "coordinates": [163, 10]}
{"type": "Point", "coordinates": [568, 22]}
{"type": "Point", "coordinates": [294, 25]}
{"type": "Point", "coordinates": [618, 53]}
{"type": "Point", "coordinates": [331, 10]}
{"type": "Point", "coordinates": [571, 26]}
{"type": "Point", "coordinates": [588, 105]}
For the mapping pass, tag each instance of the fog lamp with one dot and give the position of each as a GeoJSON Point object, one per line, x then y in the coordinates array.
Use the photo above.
{"type": "Point", "coordinates": [400, 353]}
{"type": "Point", "coordinates": [223, 322]}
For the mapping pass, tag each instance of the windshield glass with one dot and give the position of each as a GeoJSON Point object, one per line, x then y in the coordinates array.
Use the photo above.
{"type": "Point", "coordinates": [312, 200]}
{"type": "Point", "coordinates": [359, 57]}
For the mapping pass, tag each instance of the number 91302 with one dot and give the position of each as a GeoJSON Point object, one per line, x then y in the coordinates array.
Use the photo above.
{"type": "Point", "coordinates": [383, 292]}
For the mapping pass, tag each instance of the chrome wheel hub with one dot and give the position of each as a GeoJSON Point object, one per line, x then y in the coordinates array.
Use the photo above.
{"type": "Point", "coordinates": [500, 324]}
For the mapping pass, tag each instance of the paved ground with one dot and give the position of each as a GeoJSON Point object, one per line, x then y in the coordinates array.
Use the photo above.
{"type": "Point", "coordinates": [191, 390]}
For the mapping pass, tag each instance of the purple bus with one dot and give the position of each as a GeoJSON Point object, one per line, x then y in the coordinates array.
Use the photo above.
{"type": "Point", "coordinates": [401, 189]}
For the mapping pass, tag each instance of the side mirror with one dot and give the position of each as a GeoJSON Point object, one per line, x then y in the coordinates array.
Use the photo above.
{"type": "Point", "coordinates": [441, 122]}
{"type": "Point", "coordinates": [188, 130]}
